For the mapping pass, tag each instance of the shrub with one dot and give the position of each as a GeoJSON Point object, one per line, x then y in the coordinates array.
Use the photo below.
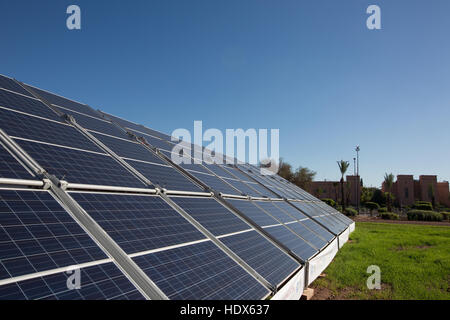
{"type": "Point", "coordinates": [382, 209]}
{"type": "Point", "coordinates": [329, 202]}
{"type": "Point", "coordinates": [389, 216]}
{"type": "Point", "coordinates": [423, 205]}
{"type": "Point", "coordinates": [372, 205]}
{"type": "Point", "coordinates": [424, 215]}
{"type": "Point", "coordinates": [445, 215]}
{"type": "Point", "coordinates": [350, 212]}
{"type": "Point", "coordinates": [339, 208]}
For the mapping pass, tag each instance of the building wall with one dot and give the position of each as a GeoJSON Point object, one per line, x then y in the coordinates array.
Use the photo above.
{"type": "Point", "coordinates": [332, 189]}
{"type": "Point", "coordinates": [443, 193]}
{"type": "Point", "coordinates": [404, 190]}
{"type": "Point", "coordinates": [425, 183]}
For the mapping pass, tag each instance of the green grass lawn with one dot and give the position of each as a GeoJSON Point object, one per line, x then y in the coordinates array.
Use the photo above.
{"type": "Point", "coordinates": [414, 262]}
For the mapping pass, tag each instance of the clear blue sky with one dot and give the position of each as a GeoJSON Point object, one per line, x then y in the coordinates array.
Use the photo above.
{"type": "Point", "coordinates": [310, 68]}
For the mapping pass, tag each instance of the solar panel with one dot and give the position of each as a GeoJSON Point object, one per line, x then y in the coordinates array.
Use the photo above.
{"type": "Point", "coordinates": [287, 237]}
{"type": "Point", "coordinates": [164, 176]}
{"type": "Point", "coordinates": [274, 211]}
{"type": "Point", "coordinates": [128, 149]}
{"type": "Point", "coordinates": [98, 282]}
{"type": "Point", "coordinates": [10, 84]}
{"type": "Point", "coordinates": [25, 104]}
{"type": "Point", "coordinates": [155, 142]}
{"type": "Point", "coordinates": [200, 272]}
{"type": "Point", "coordinates": [37, 234]}
{"type": "Point", "coordinates": [214, 183]}
{"type": "Point", "coordinates": [64, 102]}
{"type": "Point", "coordinates": [253, 212]}
{"type": "Point", "coordinates": [310, 224]}
{"type": "Point", "coordinates": [245, 189]}
{"type": "Point", "coordinates": [10, 167]}
{"type": "Point", "coordinates": [38, 238]}
{"type": "Point", "coordinates": [95, 124]}
{"type": "Point", "coordinates": [269, 261]}
{"type": "Point", "coordinates": [318, 215]}
{"type": "Point", "coordinates": [138, 223]}
{"type": "Point", "coordinates": [77, 166]}
{"type": "Point", "coordinates": [292, 241]}
{"type": "Point", "coordinates": [211, 214]}
{"type": "Point", "coordinates": [29, 127]}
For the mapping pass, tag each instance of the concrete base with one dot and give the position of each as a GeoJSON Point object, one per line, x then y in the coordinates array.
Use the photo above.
{"type": "Point", "coordinates": [307, 294]}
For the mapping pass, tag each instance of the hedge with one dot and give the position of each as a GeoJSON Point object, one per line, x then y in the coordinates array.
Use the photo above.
{"type": "Point", "coordinates": [350, 212]}
{"type": "Point", "coordinates": [389, 216]}
{"type": "Point", "coordinates": [382, 209]}
{"type": "Point", "coordinates": [424, 215]}
{"type": "Point", "coordinates": [445, 215]}
{"type": "Point", "coordinates": [423, 206]}
{"type": "Point", "coordinates": [372, 205]}
{"type": "Point", "coordinates": [329, 202]}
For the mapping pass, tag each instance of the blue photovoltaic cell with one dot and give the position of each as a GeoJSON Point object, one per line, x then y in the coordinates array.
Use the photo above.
{"type": "Point", "coordinates": [212, 215]}
{"type": "Point", "coordinates": [312, 238]}
{"type": "Point", "coordinates": [37, 234]}
{"type": "Point", "coordinates": [293, 212]}
{"type": "Point", "coordinates": [155, 142]}
{"type": "Point", "coordinates": [245, 189]}
{"type": "Point", "coordinates": [10, 167]}
{"type": "Point", "coordinates": [138, 223]}
{"type": "Point", "coordinates": [310, 224]}
{"type": "Point", "coordinates": [346, 220]}
{"type": "Point", "coordinates": [28, 127]}
{"type": "Point", "coordinates": [164, 176]}
{"type": "Point", "coordinates": [327, 215]}
{"type": "Point", "coordinates": [315, 213]}
{"type": "Point", "coordinates": [219, 171]}
{"type": "Point", "coordinates": [200, 272]}
{"type": "Point", "coordinates": [66, 103]}
{"type": "Point", "coordinates": [292, 242]}
{"type": "Point", "coordinates": [274, 211]}
{"type": "Point", "coordinates": [99, 282]}
{"type": "Point", "coordinates": [253, 212]}
{"type": "Point", "coordinates": [10, 84]}
{"type": "Point", "coordinates": [214, 183]}
{"type": "Point", "coordinates": [136, 127]}
{"type": "Point", "coordinates": [95, 124]}
{"type": "Point", "coordinates": [28, 105]}
{"type": "Point", "coordinates": [128, 149]}
{"type": "Point", "coordinates": [80, 167]}
{"type": "Point", "coordinates": [266, 259]}
{"type": "Point", "coordinates": [192, 165]}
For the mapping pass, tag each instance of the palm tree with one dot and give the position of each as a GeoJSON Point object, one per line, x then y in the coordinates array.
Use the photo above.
{"type": "Point", "coordinates": [335, 185]}
{"type": "Point", "coordinates": [388, 182]}
{"type": "Point", "coordinates": [343, 166]}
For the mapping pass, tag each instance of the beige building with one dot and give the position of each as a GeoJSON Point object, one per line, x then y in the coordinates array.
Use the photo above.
{"type": "Point", "coordinates": [332, 189]}
{"type": "Point", "coordinates": [406, 190]}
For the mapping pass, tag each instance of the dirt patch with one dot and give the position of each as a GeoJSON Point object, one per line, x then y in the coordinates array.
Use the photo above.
{"type": "Point", "coordinates": [349, 293]}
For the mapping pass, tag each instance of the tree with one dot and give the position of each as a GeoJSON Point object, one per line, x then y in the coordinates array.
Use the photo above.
{"type": "Point", "coordinates": [285, 170]}
{"type": "Point", "coordinates": [343, 166]}
{"type": "Point", "coordinates": [366, 194]}
{"type": "Point", "coordinates": [378, 197]}
{"type": "Point", "coordinates": [303, 177]}
{"type": "Point", "coordinates": [336, 192]}
{"type": "Point", "coordinates": [388, 182]}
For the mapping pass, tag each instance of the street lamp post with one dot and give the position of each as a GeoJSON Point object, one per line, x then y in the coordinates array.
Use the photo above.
{"type": "Point", "coordinates": [357, 177]}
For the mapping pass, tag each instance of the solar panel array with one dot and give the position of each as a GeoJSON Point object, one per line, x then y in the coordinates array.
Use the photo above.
{"type": "Point", "coordinates": [188, 231]}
